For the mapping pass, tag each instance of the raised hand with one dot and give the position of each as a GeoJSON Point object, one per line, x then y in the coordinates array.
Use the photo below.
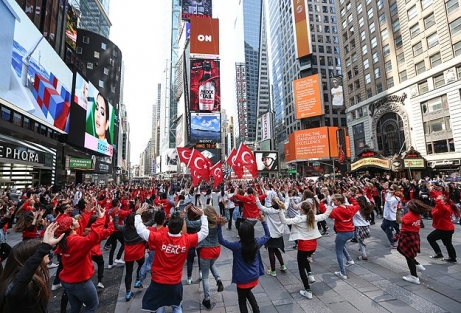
{"type": "Point", "coordinates": [48, 237]}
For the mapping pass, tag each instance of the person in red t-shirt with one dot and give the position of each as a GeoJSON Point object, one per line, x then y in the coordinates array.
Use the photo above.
{"type": "Point", "coordinates": [170, 254]}
{"type": "Point", "coordinates": [409, 240]}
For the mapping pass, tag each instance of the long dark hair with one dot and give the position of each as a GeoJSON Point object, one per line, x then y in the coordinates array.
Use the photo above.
{"type": "Point", "coordinates": [248, 242]}
{"type": "Point", "coordinates": [38, 288]}
{"type": "Point", "coordinates": [366, 207]}
{"type": "Point", "coordinates": [129, 222]}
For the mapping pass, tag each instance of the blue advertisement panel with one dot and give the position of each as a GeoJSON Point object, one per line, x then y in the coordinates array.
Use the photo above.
{"type": "Point", "coordinates": [33, 76]}
{"type": "Point", "coordinates": [205, 128]}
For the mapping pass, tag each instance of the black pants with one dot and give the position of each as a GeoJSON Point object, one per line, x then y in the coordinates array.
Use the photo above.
{"type": "Point", "coordinates": [243, 295]}
{"type": "Point", "coordinates": [304, 266]}
{"type": "Point", "coordinates": [229, 221]}
{"type": "Point", "coordinates": [98, 259]}
{"type": "Point", "coordinates": [322, 225]}
{"type": "Point", "coordinates": [116, 236]}
{"type": "Point", "coordinates": [58, 271]}
{"type": "Point", "coordinates": [197, 198]}
{"type": "Point", "coordinates": [221, 209]}
{"type": "Point", "coordinates": [4, 251]}
{"type": "Point", "coordinates": [445, 236]}
{"type": "Point", "coordinates": [412, 266]}
{"type": "Point", "coordinates": [274, 252]}
{"type": "Point", "coordinates": [129, 272]}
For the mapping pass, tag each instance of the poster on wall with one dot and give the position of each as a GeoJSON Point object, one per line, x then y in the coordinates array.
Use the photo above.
{"type": "Point", "coordinates": [205, 128]}
{"type": "Point", "coordinates": [205, 92]}
{"type": "Point", "coordinates": [202, 8]}
{"type": "Point", "coordinates": [267, 161]}
{"type": "Point", "coordinates": [99, 125]}
{"type": "Point", "coordinates": [33, 76]}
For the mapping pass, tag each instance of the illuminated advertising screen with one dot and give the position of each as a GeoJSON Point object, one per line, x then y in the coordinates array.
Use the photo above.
{"type": "Point", "coordinates": [301, 28]}
{"type": "Point", "coordinates": [204, 37]}
{"type": "Point", "coordinates": [202, 8]}
{"type": "Point", "coordinates": [337, 94]}
{"type": "Point", "coordinates": [205, 94]}
{"type": "Point", "coordinates": [213, 154]}
{"type": "Point", "coordinates": [170, 160]}
{"type": "Point", "coordinates": [99, 126]}
{"type": "Point", "coordinates": [308, 102]}
{"type": "Point", "coordinates": [205, 128]}
{"type": "Point", "coordinates": [33, 77]}
{"type": "Point", "coordinates": [267, 161]}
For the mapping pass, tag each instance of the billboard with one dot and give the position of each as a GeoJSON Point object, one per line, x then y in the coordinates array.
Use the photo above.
{"type": "Point", "coordinates": [337, 95]}
{"type": "Point", "coordinates": [312, 143]}
{"type": "Point", "coordinates": [213, 154]}
{"type": "Point", "coordinates": [205, 86]}
{"type": "Point", "coordinates": [170, 160]}
{"type": "Point", "coordinates": [204, 36]}
{"type": "Point", "coordinates": [301, 28]}
{"type": "Point", "coordinates": [266, 127]}
{"type": "Point", "coordinates": [192, 8]}
{"type": "Point", "coordinates": [205, 128]}
{"type": "Point", "coordinates": [33, 76]}
{"type": "Point", "coordinates": [308, 102]}
{"type": "Point", "coordinates": [77, 163]}
{"type": "Point", "coordinates": [267, 161]}
{"type": "Point", "coordinates": [99, 117]}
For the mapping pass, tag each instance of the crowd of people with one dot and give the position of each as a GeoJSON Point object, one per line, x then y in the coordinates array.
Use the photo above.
{"type": "Point", "coordinates": [163, 225]}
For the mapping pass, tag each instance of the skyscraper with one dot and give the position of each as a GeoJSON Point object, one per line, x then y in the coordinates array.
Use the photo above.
{"type": "Point", "coordinates": [402, 76]}
{"type": "Point", "coordinates": [94, 15]}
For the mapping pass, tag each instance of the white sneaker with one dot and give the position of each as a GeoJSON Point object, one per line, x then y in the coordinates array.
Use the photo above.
{"type": "Point", "coordinates": [420, 267]}
{"type": "Point", "coordinates": [200, 275]}
{"type": "Point", "coordinates": [341, 275]}
{"type": "Point", "coordinates": [310, 278]}
{"type": "Point", "coordinates": [189, 281]}
{"type": "Point", "coordinates": [349, 263]}
{"type": "Point", "coordinates": [100, 285]}
{"type": "Point", "coordinates": [411, 279]}
{"type": "Point", "coordinates": [119, 261]}
{"type": "Point", "coordinates": [52, 265]}
{"type": "Point", "coordinates": [306, 293]}
{"type": "Point", "coordinates": [56, 287]}
{"type": "Point", "coordinates": [110, 266]}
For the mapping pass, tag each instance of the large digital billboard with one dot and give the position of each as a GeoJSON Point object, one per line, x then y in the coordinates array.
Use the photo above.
{"type": "Point", "coordinates": [204, 36]}
{"type": "Point", "coordinates": [267, 161]}
{"type": "Point", "coordinates": [308, 102]}
{"type": "Point", "coordinates": [33, 76]}
{"type": "Point", "coordinates": [202, 8]}
{"type": "Point", "coordinates": [205, 128]}
{"type": "Point", "coordinates": [205, 87]}
{"type": "Point", "coordinates": [301, 28]}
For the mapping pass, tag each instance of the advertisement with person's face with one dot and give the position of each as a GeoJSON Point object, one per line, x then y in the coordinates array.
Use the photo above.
{"type": "Point", "coordinates": [201, 8]}
{"type": "Point", "coordinates": [99, 128]}
{"type": "Point", "coordinates": [337, 92]}
{"type": "Point", "coordinates": [205, 95]}
{"type": "Point", "coordinates": [33, 76]}
{"type": "Point", "coordinates": [267, 160]}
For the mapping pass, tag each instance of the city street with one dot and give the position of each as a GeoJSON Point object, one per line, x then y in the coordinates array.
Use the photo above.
{"type": "Point", "coordinates": [373, 286]}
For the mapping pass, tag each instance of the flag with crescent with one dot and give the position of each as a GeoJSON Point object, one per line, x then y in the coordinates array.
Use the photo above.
{"type": "Point", "coordinates": [231, 161]}
{"type": "Point", "coordinates": [199, 165]}
{"type": "Point", "coordinates": [341, 155]}
{"type": "Point", "coordinates": [217, 173]}
{"type": "Point", "coordinates": [184, 154]}
{"type": "Point", "coordinates": [245, 157]}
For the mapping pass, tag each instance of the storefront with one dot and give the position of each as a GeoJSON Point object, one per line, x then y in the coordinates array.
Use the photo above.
{"type": "Point", "coordinates": [445, 167]}
{"type": "Point", "coordinates": [414, 164]}
{"type": "Point", "coordinates": [371, 161]}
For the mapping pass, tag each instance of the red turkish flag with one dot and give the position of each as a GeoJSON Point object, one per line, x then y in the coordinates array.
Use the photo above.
{"type": "Point", "coordinates": [231, 161]}
{"type": "Point", "coordinates": [216, 172]}
{"type": "Point", "coordinates": [184, 155]}
{"type": "Point", "coordinates": [199, 166]}
{"type": "Point", "coordinates": [342, 155]}
{"type": "Point", "coordinates": [245, 157]}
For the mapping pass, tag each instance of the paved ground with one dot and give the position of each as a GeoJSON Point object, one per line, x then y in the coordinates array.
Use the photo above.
{"type": "Point", "coordinates": [373, 286]}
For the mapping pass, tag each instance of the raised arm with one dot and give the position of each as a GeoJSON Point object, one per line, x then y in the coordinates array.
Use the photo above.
{"type": "Point", "coordinates": [265, 209]}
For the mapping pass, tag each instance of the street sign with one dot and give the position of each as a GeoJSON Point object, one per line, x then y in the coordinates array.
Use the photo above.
{"type": "Point", "coordinates": [291, 171]}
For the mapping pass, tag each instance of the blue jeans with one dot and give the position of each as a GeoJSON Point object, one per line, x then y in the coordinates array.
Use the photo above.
{"type": "Point", "coordinates": [340, 245]}
{"type": "Point", "coordinates": [82, 293]}
{"type": "Point", "coordinates": [146, 267]}
{"type": "Point", "coordinates": [190, 261]}
{"type": "Point", "coordinates": [388, 227]}
{"type": "Point", "coordinates": [176, 309]}
{"type": "Point", "coordinates": [207, 265]}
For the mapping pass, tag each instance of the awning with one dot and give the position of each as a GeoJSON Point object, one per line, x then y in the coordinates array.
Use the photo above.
{"type": "Point", "coordinates": [384, 164]}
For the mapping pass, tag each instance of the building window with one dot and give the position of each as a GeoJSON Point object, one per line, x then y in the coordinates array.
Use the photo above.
{"type": "Point", "coordinates": [86, 39]}
{"type": "Point", "coordinates": [384, 34]}
{"type": "Point", "coordinates": [375, 57]}
{"type": "Point", "coordinates": [458, 71]}
{"type": "Point", "coordinates": [455, 26]}
{"type": "Point", "coordinates": [348, 62]}
{"type": "Point", "coordinates": [439, 81]}
{"type": "Point", "coordinates": [432, 40]}
{"type": "Point", "coordinates": [359, 8]}
{"type": "Point", "coordinates": [434, 104]}
{"type": "Point", "coordinates": [438, 125]}
{"type": "Point", "coordinates": [382, 19]}
{"type": "Point", "coordinates": [398, 42]}
{"type": "Point", "coordinates": [79, 50]}
{"type": "Point", "coordinates": [6, 114]}
{"type": "Point", "coordinates": [357, 84]}
{"type": "Point", "coordinates": [377, 72]}
{"type": "Point", "coordinates": [396, 26]}
{"type": "Point", "coordinates": [425, 3]}
{"type": "Point", "coordinates": [351, 101]}
{"type": "Point", "coordinates": [101, 83]}
{"type": "Point", "coordinates": [452, 6]}
{"type": "Point", "coordinates": [379, 87]}
{"type": "Point", "coordinates": [429, 21]}
{"type": "Point", "coordinates": [89, 65]}
{"type": "Point", "coordinates": [388, 66]}
{"type": "Point", "coordinates": [386, 50]}
{"type": "Point", "coordinates": [390, 82]}
{"type": "Point", "coordinates": [417, 49]}
{"type": "Point", "coordinates": [368, 78]}
{"type": "Point", "coordinates": [361, 22]}
{"type": "Point", "coordinates": [366, 64]}
{"type": "Point", "coordinates": [362, 36]}
{"type": "Point", "coordinates": [436, 59]}
{"type": "Point", "coordinates": [370, 13]}
{"type": "Point", "coordinates": [103, 46]}
{"type": "Point", "coordinates": [372, 28]}
{"type": "Point", "coordinates": [412, 13]}
{"type": "Point", "coordinates": [17, 119]}
{"type": "Point", "coordinates": [420, 67]}
{"type": "Point", "coordinates": [96, 55]}
{"type": "Point", "coordinates": [457, 48]}
{"type": "Point", "coordinates": [400, 59]}
{"type": "Point", "coordinates": [374, 42]}
{"type": "Point", "coordinates": [364, 49]}
{"type": "Point", "coordinates": [380, 4]}
{"type": "Point", "coordinates": [414, 30]}
{"type": "Point", "coordinates": [106, 71]}
{"type": "Point", "coordinates": [369, 93]}
{"type": "Point", "coordinates": [349, 18]}
{"type": "Point", "coordinates": [403, 76]}
{"type": "Point", "coordinates": [423, 87]}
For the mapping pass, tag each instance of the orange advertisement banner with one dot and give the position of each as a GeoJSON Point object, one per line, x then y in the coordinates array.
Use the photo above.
{"type": "Point", "coordinates": [334, 148]}
{"type": "Point", "coordinates": [204, 36]}
{"type": "Point", "coordinates": [301, 28]}
{"type": "Point", "coordinates": [307, 98]}
{"type": "Point", "coordinates": [348, 147]}
{"type": "Point", "coordinates": [312, 144]}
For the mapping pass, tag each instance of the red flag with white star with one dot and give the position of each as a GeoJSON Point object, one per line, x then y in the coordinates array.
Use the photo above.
{"type": "Point", "coordinates": [184, 154]}
{"type": "Point", "coordinates": [245, 157]}
{"type": "Point", "coordinates": [217, 173]}
{"type": "Point", "coordinates": [231, 161]}
{"type": "Point", "coordinates": [199, 166]}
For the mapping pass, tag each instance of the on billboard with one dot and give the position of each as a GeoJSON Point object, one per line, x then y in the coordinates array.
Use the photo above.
{"type": "Point", "coordinates": [202, 8]}
{"type": "Point", "coordinates": [267, 160]}
{"type": "Point", "coordinates": [337, 92]}
{"type": "Point", "coordinates": [266, 130]}
{"type": "Point", "coordinates": [301, 28]}
{"type": "Point", "coordinates": [205, 86]}
{"type": "Point", "coordinates": [205, 128]}
{"type": "Point", "coordinates": [204, 36]}
{"type": "Point", "coordinates": [307, 98]}
{"type": "Point", "coordinates": [100, 119]}
{"type": "Point", "coordinates": [33, 76]}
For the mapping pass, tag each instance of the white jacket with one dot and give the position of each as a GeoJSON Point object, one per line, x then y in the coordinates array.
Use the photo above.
{"type": "Point", "coordinates": [274, 224]}
{"type": "Point", "coordinates": [358, 220]}
{"type": "Point", "coordinates": [299, 228]}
